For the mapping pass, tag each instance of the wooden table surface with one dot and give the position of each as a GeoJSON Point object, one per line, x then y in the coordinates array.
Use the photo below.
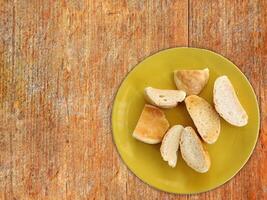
{"type": "Point", "coordinates": [61, 63]}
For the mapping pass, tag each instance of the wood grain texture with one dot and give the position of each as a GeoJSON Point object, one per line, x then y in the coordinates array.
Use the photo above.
{"type": "Point", "coordinates": [238, 31]}
{"type": "Point", "coordinates": [61, 63]}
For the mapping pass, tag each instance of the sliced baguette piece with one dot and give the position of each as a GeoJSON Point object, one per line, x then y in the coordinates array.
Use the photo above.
{"type": "Point", "coordinates": [191, 81]}
{"type": "Point", "coordinates": [151, 126]}
{"type": "Point", "coordinates": [227, 104]}
{"type": "Point", "coordinates": [205, 118]}
{"type": "Point", "coordinates": [170, 145]}
{"type": "Point", "coordinates": [164, 98]}
{"type": "Point", "coordinates": [193, 151]}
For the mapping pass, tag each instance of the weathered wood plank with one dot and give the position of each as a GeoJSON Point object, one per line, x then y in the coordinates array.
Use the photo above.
{"type": "Point", "coordinates": [238, 30]}
{"type": "Point", "coordinates": [61, 65]}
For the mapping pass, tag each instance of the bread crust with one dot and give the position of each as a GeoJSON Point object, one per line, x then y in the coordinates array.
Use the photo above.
{"type": "Point", "coordinates": [205, 118]}
{"type": "Point", "coordinates": [191, 81]}
{"type": "Point", "coordinates": [151, 126]}
{"type": "Point", "coordinates": [164, 98]}
{"type": "Point", "coordinates": [170, 145]}
{"type": "Point", "coordinates": [203, 156]}
{"type": "Point", "coordinates": [227, 103]}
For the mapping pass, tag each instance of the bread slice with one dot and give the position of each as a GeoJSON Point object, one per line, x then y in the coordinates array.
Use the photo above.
{"type": "Point", "coordinates": [191, 81]}
{"type": "Point", "coordinates": [164, 98]}
{"type": "Point", "coordinates": [170, 145]}
{"type": "Point", "coordinates": [193, 151]}
{"type": "Point", "coordinates": [227, 103]}
{"type": "Point", "coordinates": [205, 118]}
{"type": "Point", "coordinates": [151, 126]}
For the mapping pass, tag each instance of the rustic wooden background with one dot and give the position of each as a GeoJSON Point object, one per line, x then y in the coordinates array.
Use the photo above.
{"type": "Point", "coordinates": [61, 63]}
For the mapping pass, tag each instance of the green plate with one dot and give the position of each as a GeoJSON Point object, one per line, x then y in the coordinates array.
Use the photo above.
{"type": "Point", "coordinates": [228, 154]}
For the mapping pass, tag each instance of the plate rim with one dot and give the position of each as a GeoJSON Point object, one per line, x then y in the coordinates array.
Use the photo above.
{"type": "Point", "coordinates": [153, 185]}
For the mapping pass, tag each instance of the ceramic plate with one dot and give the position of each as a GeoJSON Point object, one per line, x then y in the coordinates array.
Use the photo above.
{"type": "Point", "coordinates": [228, 154]}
